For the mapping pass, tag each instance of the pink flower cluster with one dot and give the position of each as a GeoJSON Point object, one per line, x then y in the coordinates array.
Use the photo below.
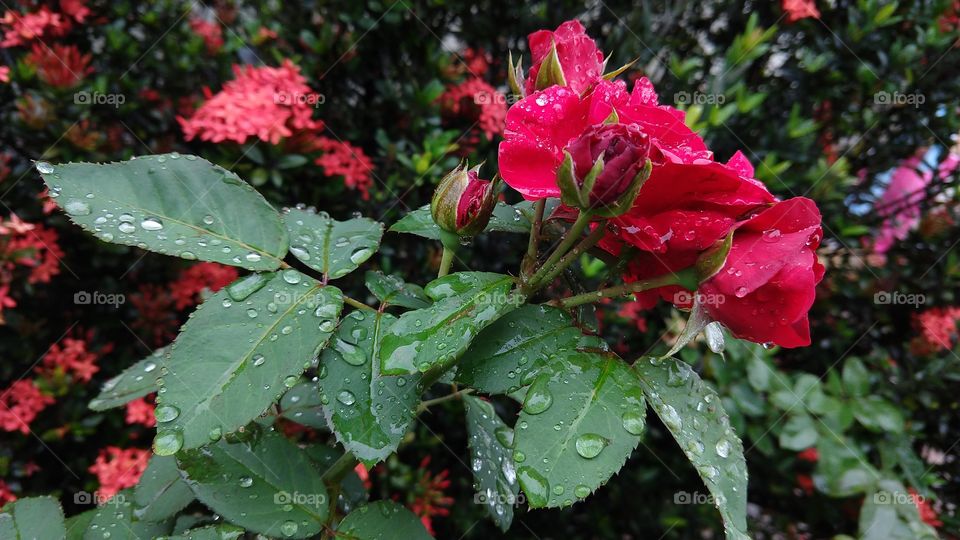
{"type": "Point", "coordinates": [267, 103]}
{"type": "Point", "coordinates": [210, 32]}
{"type": "Point", "coordinates": [118, 468]}
{"type": "Point", "coordinates": [341, 158]}
{"type": "Point", "coordinates": [193, 282]}
{"type": "Point", "coordinates": [476, 102]}
{"type": "Point", "coordinates": [20, 404]}
{"type": "Point", "coordinates": [937, 329]}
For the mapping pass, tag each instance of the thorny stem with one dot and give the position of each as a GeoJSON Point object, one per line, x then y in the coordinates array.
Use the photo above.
{"type": "Point", "coordinates": [530, 261]}
{"type": "Point", "coordinates": [445, 262]}
{"type": "Point", "coordinates": [356, 303]}
{"type": "Point", "coordinates": [572, 236]}
{"type": "Point", "coordinates": [585, 244]}
{"type": "Point", "coordinates": [614, 292]}
{"type": "Point", "coordinates": [453, 395]}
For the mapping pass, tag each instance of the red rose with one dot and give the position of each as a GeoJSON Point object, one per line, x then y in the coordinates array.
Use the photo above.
{"type": "Point", "coordinates": [622, 147]}
{"type": "Point", "coordinates": [768, 282]}
{"type": "Point", "coordinates": [541, 125]}
{"type": "Point", "coordinates": [580, 59]}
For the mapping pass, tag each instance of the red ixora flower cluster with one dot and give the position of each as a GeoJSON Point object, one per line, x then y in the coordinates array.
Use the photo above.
{"type": "Point", "coordinates": [273, 104]}
{"type": "Point", "coordinates": [478, 104]}
{"type": "Point", "coordinates": [937, 329]}
{"type": "Point", "coordinates": [20, 404]}
{"type": "Point", "coordinates": [26, 245]}
{"type": "Point", "coordinates": [210, 32]}
{"type": "Point", "coordinates": [430, 500]}
{"type": "Point", "coordinates": [689, 204]}
{"type": "Point", "coordinates": [60, 66]}
{"type": "Point", "coordinates": [118, 468]}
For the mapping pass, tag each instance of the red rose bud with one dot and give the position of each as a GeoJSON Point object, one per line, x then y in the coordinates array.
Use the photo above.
{"type": "Point", "coordinates": [604, 168]}
{"type": "Point", "coordinates": [463, 203]}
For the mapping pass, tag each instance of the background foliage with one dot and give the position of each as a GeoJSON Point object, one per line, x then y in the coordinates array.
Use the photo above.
{"type": "Point", "coordinates": [822, 107]}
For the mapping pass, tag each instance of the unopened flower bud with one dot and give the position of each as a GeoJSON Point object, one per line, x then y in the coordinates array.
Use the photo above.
{"type": "Point", "coordinates": [604, 168]}
{"type": "Point", "coordinates": [463, 203]}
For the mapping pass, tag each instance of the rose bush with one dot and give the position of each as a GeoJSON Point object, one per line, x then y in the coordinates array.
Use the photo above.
{"type": "Point", "coordinates": [322, 104]}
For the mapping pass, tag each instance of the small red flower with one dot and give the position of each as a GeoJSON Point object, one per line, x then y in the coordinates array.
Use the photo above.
{"type": "Point", "coordinates": [799, 9]}
{"type": "Point", "coordinates": [22, 28]}
{"type": "Point", "coordinates": [140, 411]}
{"type": "Point", "coordinates": [20, 404]}
{"type": "Point", "coordinates": [430, 500]}
{"type": "Point", "coordinates": [810, 455]}
{"type": "Point", "coordinates": [4, 74]}
{"type": "Point", "coordinates": [210, 32]}
{"type": "Point", "coordinates": [263, 102]}
{"type": "Point", "coordinates": [805, 482]}
{"type": "Point", "coordinates": [60, 66]}
{"type": "Point", "coordinates": [6, 496]}
{"type": "Point", "coordinates": [117, 468]}
{"type": "Point", "coordinates": [341, 158]}
{"type": "Point", "coordinates": [927, 514]}
{"type": "Point", "coordinates": [193, 282]}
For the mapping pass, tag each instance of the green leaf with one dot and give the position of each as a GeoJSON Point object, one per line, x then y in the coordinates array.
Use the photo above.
{"type": "Point", "coordinates": [116, 517]}
{"type": "Point", "coordinates": [369, 413]}
{"type": "Point", "coordinates": [334, 248]}
{"type": "Point", "coordinates": [692, 412]}
{"type": "Point", "coordinates": [889, 513]}
{"type": "Point", "coordinates": [211, 532]}
{"type": "Point", "coordinates": [510, 352]}
{"type": "Point", "coordinates": [238, 352]}
{"type": "Point", "coordinates": [267, 486]}
{"type": "Point", "coordinates": [799, 433]}
{"type": "Point", "coordinates": [135, 382]}
{"type": "Point", "coordinates": [77, 524]}
{"type": "Point", "coordinates": [856, 379]}
{"type": "Point", "coordinates": [878, 414]}
{"type": "Point", "coordinates": [842, 470]}
{"type": "Point", "coordinates": [495, 476]}
{"type": "Point", "coordinates": [433, 338]}
{"type": "Point", "coordinates": [382, 520]}
{"type": "Point", "coordinates": [394, 291]}
{"type": "Point", "coordinates": [505, 218]}
{"type": "Point", "coordinates": [176, 205]}
{"type": "Point", "coordinates": [161, 492]}
{"type": "Point", "coordinates": [598, 405]}
{"type": "Point", "coordinates": [32, 518]}
{"type": "Point", "coordinates": [301, 404]}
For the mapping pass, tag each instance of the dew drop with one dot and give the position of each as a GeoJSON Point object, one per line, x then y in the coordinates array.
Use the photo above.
{"type": "Point", "coordinates": [44, 168]}
{"type": "Point", "coordinates": [535, 486]}
{"type": "Point", "coordinates": [151, 224]}
{"type": "Point", "coordinates": [76, 207]}
{"type": "Point", "coordinates": [166, 413]}
{"type": "Point", "coordinates": [633, 422]}
{"type": "Point", "coordinates": [167, 443]}
{"type": "Point", "coordinates": [538, 397]}
{"type": "Point", "coordinates": [589, 445]}
{"type": "Point", "coordinates": [346, 397]}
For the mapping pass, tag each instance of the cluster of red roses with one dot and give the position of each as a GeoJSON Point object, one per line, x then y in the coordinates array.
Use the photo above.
{"type": "Point", "coordinates": [689, 203]}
